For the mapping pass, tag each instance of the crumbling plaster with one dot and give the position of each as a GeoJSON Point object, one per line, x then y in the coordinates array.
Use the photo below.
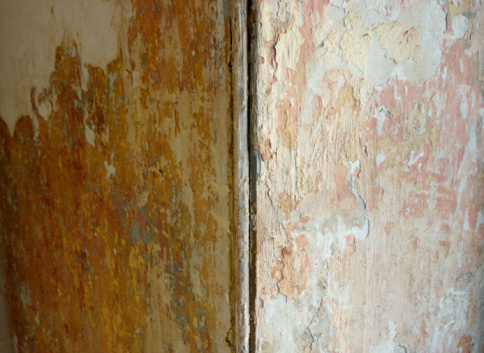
{"type": "Point", "coordinates": [367, 202]}
{"type": "Point", "coordinates": [367, 124]}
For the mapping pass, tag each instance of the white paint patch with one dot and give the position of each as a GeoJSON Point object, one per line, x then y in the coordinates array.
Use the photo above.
{"type": "Point", "coordinates": [30, 32]}
{"type": "Point", "coordinates": [464, 107]}
{"type": "Point", "coordinates": [90, 136]}
{"type": "Point", "coordinates": [280, 316]}
{"type": "Point", "coordinates": [110, 169]}
{"type": "Point", "coordinates": [480, 220]}
{"type": "Point", "coordinates": [380, 159]}
{"type": "Point", "coordinates": [361, 40]}
{"type": "Point", "coordinates": [467, 228]}
{"type": "Point", "coordinates": [412, 159]}
{"type": "Point", "coordinates": [379, 68]}
{"type": "Point", "coordinates": [444, 75]}
{"type": "Point", "coordinates": [337, 3]}
{"type": "Point", "coordinates": [381, 115]}
{"type": "Point", "coordinates": [454, 307]}
{"type": "Point", "coordinates": [287, 49]}
{"type": "Point", "coordinates": [44, 107]}
{"type": "Point", "coordinates": [460, 25]}
{"type": "Point", "coordinates": [383, 6]}
{"type": "Point", "coordinates": [389, 346]}
{"type": "Point", "coordinates": [430, 21]}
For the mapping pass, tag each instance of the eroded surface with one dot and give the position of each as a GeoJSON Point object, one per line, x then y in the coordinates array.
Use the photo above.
{"type": "Point", "coordinates": [369, 123]}
{"type": "Point", "coordinates": [116, 174]}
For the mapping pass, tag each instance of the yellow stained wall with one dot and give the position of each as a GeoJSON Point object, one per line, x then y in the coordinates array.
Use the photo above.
{"type": "Point", "coordinates": [116, 174]}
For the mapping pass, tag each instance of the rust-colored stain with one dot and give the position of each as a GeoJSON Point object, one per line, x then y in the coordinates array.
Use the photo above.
{"type": "Point", "coordinates": [117, 212]}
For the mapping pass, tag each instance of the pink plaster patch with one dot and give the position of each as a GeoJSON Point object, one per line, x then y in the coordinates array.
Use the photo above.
{"type": "Point", "coordinates": [446, 246]}
{"type": "Point", "coordinates": [344, 197]}
{"type": "Point", "coordinates": [350, 245]}
{"type": "Point", "coordinates": [415, 206]}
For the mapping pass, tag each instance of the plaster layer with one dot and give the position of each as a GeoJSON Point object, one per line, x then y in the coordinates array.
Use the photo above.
{"type": "Point", "coordinates": [369, 225]}
{"type": "Point", "coordinates": [117, 174]}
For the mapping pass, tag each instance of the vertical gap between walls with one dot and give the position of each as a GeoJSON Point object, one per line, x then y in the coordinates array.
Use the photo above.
{"type": "Point", "coordinates": [253, 171]}
{"type": "Point", "coordinates": [246, 169]}
{"type": "Point", "coordinates": [240, 85]}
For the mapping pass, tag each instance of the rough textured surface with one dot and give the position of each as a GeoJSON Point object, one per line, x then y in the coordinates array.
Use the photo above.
{"type": "Point", "coordinates": [116, 171]}
{"type": "Point", "coordinates": [368, 123]}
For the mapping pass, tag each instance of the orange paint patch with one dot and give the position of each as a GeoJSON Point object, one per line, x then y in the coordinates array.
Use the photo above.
{"type": "Point", "coordinates": [465, 344]}
{"type": "Point", "coordinates": [344, 198]}
{"type": "Point", "coordinates": [294, 267]}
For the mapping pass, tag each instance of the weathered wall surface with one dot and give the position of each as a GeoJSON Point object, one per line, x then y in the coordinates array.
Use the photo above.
{"type": "Point", "coordinates": [368, 120]}
{"type": "Point", "coordinates": [116, 174]}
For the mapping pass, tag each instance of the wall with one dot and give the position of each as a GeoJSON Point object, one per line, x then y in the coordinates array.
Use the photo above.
{"type": "Point", "coordinates": [367, 121]}
{"type": "Point", "coordinates": [5, 333]}
{"type": "Point", "coordinates": [119, 176]}
{"type": "Point", "coordinates": [116, 171]}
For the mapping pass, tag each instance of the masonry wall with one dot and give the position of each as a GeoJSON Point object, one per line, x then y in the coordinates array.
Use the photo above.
{"type": "Point", "coordinates": [367, 121]}
{"type": "Point", "coordinates": [116, 174]}
{"type": "Point", "coordinates": [117, 170]}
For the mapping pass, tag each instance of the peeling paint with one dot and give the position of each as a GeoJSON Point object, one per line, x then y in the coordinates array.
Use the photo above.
{"type": "Point", "coordinates": [371, 150]}
{"type": "Point", "coordinates": [117, 171]}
